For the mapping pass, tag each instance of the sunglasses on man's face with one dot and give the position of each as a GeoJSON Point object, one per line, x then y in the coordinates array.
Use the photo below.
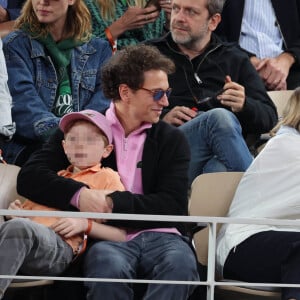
{"type": "Point", "coordinates": [158, 94]}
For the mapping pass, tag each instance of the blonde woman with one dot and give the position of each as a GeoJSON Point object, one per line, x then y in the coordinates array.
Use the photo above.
{"type": "Point", "coordinates": [53, 65]}
{"type": "Point", "coordinates": [270, 188]}
{"type": "Point", "coordinates": [124, 22]}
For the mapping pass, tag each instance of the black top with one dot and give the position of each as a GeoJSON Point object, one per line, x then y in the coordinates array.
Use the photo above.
{"type": "Point", "coordinates": [218, 60]}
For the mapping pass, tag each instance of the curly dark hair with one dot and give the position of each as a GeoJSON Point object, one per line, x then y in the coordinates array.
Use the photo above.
{"type": "Point", "coordinates": [128, 66]}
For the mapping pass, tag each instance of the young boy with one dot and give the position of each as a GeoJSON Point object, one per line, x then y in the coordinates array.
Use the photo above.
{"type": "Point", "coordinates": [87, 139]}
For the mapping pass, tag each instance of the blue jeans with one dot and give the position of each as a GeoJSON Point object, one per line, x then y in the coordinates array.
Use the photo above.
{"type": "Point", "coordinates": [216, 143]}
{"type": "Point", "coordinates": [150, 255]}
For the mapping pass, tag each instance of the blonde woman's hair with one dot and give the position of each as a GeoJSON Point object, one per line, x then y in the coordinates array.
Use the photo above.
{"type": "Point", "coordinates": [108, 7]}
{"type": "Point", "coordinates": [78, 22]}
{"type": "Point", "coordinates": [291, 112]}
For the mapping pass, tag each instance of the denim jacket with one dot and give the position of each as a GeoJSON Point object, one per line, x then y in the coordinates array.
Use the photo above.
{"type": "Point", "coordinates": [33, 84]}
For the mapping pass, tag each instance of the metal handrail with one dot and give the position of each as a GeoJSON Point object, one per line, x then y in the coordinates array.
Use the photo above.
{"type": "Point", "coordinates": [210, 222]}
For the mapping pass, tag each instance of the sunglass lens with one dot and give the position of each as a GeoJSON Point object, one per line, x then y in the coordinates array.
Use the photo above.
{"type": "Point", "coordinates": [159, 94]}
{"type": "Point", "coordinates": [168, 92]}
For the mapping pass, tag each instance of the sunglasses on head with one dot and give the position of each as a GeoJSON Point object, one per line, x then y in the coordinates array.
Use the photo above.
{"type": "Point", "coordinates": [158, 94]}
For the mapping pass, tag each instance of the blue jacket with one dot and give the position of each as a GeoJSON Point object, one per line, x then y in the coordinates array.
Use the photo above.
{"type": "Point", "coordinates": [33, 83]}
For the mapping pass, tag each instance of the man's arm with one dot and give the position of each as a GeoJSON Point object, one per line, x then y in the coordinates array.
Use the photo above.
{"type": "Point", "coordinates": [38, 179]}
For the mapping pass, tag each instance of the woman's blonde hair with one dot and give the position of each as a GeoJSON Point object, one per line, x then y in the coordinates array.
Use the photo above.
{"type": "Point", "coordinates": [108, 7]}
{"type": "Point", "coordinates": [291, 112]}
{"type": "Point", "coordinates": [78, 22]}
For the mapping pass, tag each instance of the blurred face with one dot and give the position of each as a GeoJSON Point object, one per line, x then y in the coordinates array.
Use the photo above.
{"type": "Point", "coordinates": [144, 107]}
{"type": "Point", "coordinates": [52, 12]}
{"type": "Point", "coordinates": [191, 23]}
{"type": "Point", "coordinates": [84, 145]}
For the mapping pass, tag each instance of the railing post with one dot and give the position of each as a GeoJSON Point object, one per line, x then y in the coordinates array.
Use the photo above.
{"type": "Point", "coordinates": [212, 234]}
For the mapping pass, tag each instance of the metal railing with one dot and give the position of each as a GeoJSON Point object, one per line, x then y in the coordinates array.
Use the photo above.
{"type": "Point", "coordinates": [210, 222]}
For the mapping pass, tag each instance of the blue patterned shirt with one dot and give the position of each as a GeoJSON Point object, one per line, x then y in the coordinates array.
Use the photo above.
{"type": "Point", "coordinates": [260, 32]}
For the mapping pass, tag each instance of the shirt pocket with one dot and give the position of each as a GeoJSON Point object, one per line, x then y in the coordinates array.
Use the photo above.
{"type": "Point", "coordinates": [89, 80]}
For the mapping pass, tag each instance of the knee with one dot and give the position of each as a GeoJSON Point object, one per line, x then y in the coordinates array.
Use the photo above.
{"type": "Point", "coordinates": [102, 261]}
{"type": "Point", "coordinates": [223, 120]}
{"type": "Point", "coordinates": [179, 266]}
{"type": "Point", "coordinates": [187, 267]}
{"type": "Point", "coordinates": [17, 228]}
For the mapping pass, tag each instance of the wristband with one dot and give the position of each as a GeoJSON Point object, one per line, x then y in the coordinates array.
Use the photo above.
{"type": "Point", "coordinates": [111, 40]}
{"type": "Point", "coordinates": [89, 228]}
{"type": "Point", "coordinates": [82, 247]}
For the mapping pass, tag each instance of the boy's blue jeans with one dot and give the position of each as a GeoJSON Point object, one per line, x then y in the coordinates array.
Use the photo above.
{"type": "Point", "coordinates": [150, 255]}
{"type": "Point", "coordinates": [216, 143]}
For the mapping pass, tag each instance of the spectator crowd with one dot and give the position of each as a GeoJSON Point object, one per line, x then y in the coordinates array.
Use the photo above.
{"type": "Point", "coordinates": [116, 106]}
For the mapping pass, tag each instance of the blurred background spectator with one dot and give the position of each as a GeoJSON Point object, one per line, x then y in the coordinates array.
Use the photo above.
{"type": "Point", "coordinates": [270, 31]}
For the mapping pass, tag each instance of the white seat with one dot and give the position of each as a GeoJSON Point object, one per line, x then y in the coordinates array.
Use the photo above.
{"type": "Point", "coordinates": [280, 99]}
{"type": "Point", "coordinates": [8, 193]}
{"type": "Point", "coordinates": [211, 196]}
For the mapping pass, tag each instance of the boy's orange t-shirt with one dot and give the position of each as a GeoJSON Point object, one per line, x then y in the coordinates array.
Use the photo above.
{"type": "Point", "coordinates": [96, 178]}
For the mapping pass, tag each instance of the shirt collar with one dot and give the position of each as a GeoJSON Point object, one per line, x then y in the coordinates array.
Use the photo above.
{"type": "Point", "coordinates": [114, 121]}
{"type": "Point", "coordinates": [287, 129]}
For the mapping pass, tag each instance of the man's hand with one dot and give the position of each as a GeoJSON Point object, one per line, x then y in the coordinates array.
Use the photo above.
{"type": "Point", "coordinates": [94, 201]}
{"type": "Point", "coordinates": [233, 95]}
{"type": "Point", "coordinates": [274, 71]}
{"type": "Point", "coordinates": [179, 115]}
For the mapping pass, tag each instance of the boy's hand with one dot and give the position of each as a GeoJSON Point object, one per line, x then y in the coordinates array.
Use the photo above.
{"type": "Point", "coordinates": [68, 227]}
{"type": "Point", "coordinates": [15, 205]}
